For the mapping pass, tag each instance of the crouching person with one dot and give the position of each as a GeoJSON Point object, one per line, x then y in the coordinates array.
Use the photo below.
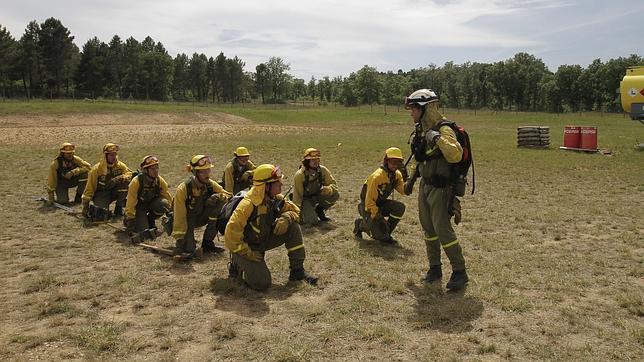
{"type": "Point", "coordinates": [315, 189]}
{"type": "Point", "coordinates": [65, 172]}
{"type": "Point", "coordinates": [148, 198]}
{"type": "Point", "coordinates": [379, 215]}
{"type": "Point", "coordinates": [264, 220]}
{"type": "Point", "coordinates": [198, 202]}
{"type": "Point", "coordinates": [107, 181]}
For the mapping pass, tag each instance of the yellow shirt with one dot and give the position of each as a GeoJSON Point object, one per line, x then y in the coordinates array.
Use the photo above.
{"type": "Point", "coordinates": [299, 178]}
{"type": "Point", "coordinates": [229, 172]}
{"type": "Point", "coordinates": [133, 195]}
{"type": "Point", "coordinates": [376, 182]}
{"type": "Point", "coordinates": [102, 169]}
{"type": "Point", "coordinates": [52, 179]}
{"type": "Point", "coordinates": [180, 212]}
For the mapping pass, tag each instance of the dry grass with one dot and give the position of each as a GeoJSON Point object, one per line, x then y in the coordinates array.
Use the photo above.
{"type": "Point", "coordinates": [553, 241]}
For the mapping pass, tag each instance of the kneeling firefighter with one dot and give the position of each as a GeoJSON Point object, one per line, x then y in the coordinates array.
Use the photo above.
{"type": "Point", "coordinates": [435, 148]}
{"type": "Point", "coordinates": [264, 220]}
{"type": "Point", "coordinates": [314, 189]}
{"type": "Point", "coordinates": [107, 181]}
{"type": "Point", "coordinates": [148, 197]}
{"type": "Point", "coordinates": [198, 202]}
{"type": "Point", "coordinates": [67, 171]}
{"type": "Point", "coordinates": [379, 215]}
{"type": "Point", "coordinates": [238, 174]}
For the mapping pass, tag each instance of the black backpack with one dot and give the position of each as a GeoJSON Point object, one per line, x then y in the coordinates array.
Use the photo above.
{"type": "Point", "coordinates": [228, 209]}
{"type": "Point", "coordinates": [461, 168]}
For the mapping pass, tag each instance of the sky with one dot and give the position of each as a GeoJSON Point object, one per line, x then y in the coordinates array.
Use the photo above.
{"type": "Point", "coordinates": [335, 38]}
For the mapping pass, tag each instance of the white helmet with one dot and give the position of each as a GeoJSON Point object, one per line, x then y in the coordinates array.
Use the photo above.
{"type": "Point", "coordinates": [421, 97]}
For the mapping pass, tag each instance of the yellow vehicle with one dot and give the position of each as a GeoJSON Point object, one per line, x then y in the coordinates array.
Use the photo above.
{"type": "Point", "coordinates": [632, 92]}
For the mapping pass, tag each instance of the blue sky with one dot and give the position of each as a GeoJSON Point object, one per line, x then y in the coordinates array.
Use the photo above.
{"type": "Point", "coordinates": [320, 38]}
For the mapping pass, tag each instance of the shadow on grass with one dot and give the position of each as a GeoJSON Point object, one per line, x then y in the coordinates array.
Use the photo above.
{"type": "Point", "coordinates": [448, 312]}
{"type": "Point", "coordinates": [232, 295]}
{"type": "Point", "coordinates": [322, 228]}
{"type": "Point", "coordinates": [383, 250]}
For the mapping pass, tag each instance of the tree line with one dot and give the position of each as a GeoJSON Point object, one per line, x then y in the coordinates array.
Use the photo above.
{"type": "Point", "coordinates": [45, 63]}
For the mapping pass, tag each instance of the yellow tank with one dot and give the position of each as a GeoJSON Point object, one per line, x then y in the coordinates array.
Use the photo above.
{"type": "Point", "coordinates": [632, 92]}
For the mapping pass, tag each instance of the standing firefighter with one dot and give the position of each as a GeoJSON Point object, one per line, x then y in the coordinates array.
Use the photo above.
{"type": "Point", "coordinates": [379, 215]}
{"type": "Point", "coordinates": [435, 149]}
{"type": "Point", "coordinates": [198, 202]}
{"type": "Point", "coordinates": [67, 171]}
{"type": "Point", "coordinates": [315, 189]}
{"type": "Point", "coordinates": [147, 197]}
{"type": "Point", "coordinates": [107, 181]}
{"type": "Point", "coordinates": [264, 220]}
{"type": "Point", "coordinates": [238, 174]}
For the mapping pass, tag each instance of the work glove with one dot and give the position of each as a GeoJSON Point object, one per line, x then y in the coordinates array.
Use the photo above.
{"type": "Point", "coordinates": [249, 254]}
{"type": "Point", "coordinates": [118, 180]}
{"type": "Point", "coordinates": [405, 174]}
{"type": "Point", "coordinates": [326, 191]}
{"type": "Point", "coordinates": [432, 137]}
{"type": "Point", "coordinates": [50, 199]}
{"type": "Point", "coordinates": [409, 186]}
{"type": "Point", "coordinates": [456, 210]}
{"type": "Point", "coordinates": [85, 209]}
{"type": "Point", "coordinates": [129, 225]}
{"type": "Point", "coordinates": [283, 222]}
{"type": "Point", "coordinates": [69, 175]}
{"type": "Point", "coordinates": [246, 176]}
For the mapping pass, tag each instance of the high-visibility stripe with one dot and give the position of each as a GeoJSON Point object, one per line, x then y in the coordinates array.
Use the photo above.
{"type": "Point", "coordinates": [432, 238]}
{"type": "Point", "coordinates": [445, 246]}
{"type": "Point", "coordinates": [395, 217]}
{"type": "Point", "coordinates": [240, 247]}
{"type": "Point", "coordinates": [255, 228]}
{"type": "Point", "coordinates": [295, 248]}
{"type": "Point", "coordinates": [212, 217]}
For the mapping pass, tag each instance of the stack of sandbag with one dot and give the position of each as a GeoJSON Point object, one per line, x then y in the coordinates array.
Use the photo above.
{"type": "Point", "coordinates": [533, 137]}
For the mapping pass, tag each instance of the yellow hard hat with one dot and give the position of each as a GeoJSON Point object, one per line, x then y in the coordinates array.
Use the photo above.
{"type": "Point", "coordinates": [201, 162]}
{"type": "Point", "coordinates": [110, 148]}
{"type": "Point", "coordinates": [394, 152]}
{"type": "Point", "coordinates": [311, 154]}
{"type": "Point", "coordinates": [148, 161]}
{"type": "Point", "coordinates": [67, 148]}
{"type": "Point", "coordinates": [266, 173]}
{"type": "Point", "coordinates": [241, 151]}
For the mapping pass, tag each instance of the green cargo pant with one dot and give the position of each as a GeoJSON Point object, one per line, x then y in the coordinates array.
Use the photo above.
{"type": "Point", "coordinates": [63, 185]}
{"type": "Point", "coordinates": [147, 212]}
{"type": "Point", "coordinates": [434, 217]}
{"type": "Point", "coordinates": [382, 231]}
{"type": "Point", "coordinates": [200, 216]}
{"type": "Point", "coordinates": [256, 273]}
{"type": "Point", "coordinates": [104, 198]}
{"type": "Point", "coordinates": [307, 211]}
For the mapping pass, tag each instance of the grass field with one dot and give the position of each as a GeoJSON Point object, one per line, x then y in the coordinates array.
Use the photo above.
{"type": "Point", "coordinates": [554, 243]}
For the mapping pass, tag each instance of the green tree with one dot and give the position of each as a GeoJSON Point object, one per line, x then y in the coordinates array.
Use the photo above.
{"type": "Point", "coordinates": [261, 80]}
{"type": "Point", "coordinates": [278, 77]}
{"type": "Point", "coordinates": [114, 64]}
{"type": "Point", "coordinates": [91, 70]}
{"type": "Point", "coordinates": [8, 59]}
{"type": "Point", "coordinates": [368, 85]}
{"type": "Point", "coordinates": [30, 60]}
{"type": "Point", "coordinates": [57, 53]}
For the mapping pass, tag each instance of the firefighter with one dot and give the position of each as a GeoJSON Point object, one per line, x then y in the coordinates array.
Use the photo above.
{"type": "Point", "coordinates": [264, 220]}
{"type": "Point", "coordinates": [107, 181]}
{"type": "Point", "coordinates": [238, 174]}
{"type": "Point", "coordinates": [66, 171]}
{"type": "Point", "coordinates": [315, 189]}
{"type": "Point", "coordinates": [147, 197]}
{"type": "Point", "coordinates": [434, 151]}
{"type": "Point", "coordinates": [198, 202]}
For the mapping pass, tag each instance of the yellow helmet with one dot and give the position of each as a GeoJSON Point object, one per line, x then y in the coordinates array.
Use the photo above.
{"type": "Point", "coordinates": [241, 151]}
{"type": "Point", "coordinates": [266, 173]}
{"type": "Point", "coordinates": [311, 154]}
{"type": "Point", "coordinates": [148, 161]}
{"type": "Point", "coordinates": [67, 148]}
{"type": "Point", "coordinates": [394, 152]}
{"type": "Point", "coordinates": [110, 148]}
{"type": "Point", "coordinates": [200, 162]}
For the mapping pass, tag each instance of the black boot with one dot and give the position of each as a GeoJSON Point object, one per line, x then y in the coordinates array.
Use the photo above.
{"type": "Point", "coordinates": [118, 209]}
{"type": "Point", "coordinates": [458, 280]}
{"type": "Point", "coordinates": [233, 271]}
{"type": "Point", "coordinates": [357, 229]}
{"type": "Point", "coordinates": [209, 246]}
{"type": "Point", "coordinates": [78, 198]}
{"type": "Point", "coordinates": [319, 210]}
{"type": "Point", "coordinates": [434, 273]}
{"type": "Point", "coordinates": [301, 274]}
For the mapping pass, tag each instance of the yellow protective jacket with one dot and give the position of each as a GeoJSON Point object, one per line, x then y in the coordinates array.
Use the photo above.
{"type": "Point", "coordinates": [133, 193]}
{"type": "Point", "coordinates": [305, 184]}
{"type": "Point", "coordinates": [78, 166]}
{"type": "Point", "coordinates": [230, 176]}
{"type": "Point", "coordinates": [447, 150]}
{"type": "Point", "coordinates": [101, 173]}
{"type": "Point", "coordinates": [253, 202]}
{"type": "Point", "coordinates": [180, 211]}
{"type": "Point", "coordinates": [380, 186]}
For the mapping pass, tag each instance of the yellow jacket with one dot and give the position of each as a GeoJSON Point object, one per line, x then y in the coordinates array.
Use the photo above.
{"type": "Point", "coordinates": [300, 176]}
{"type": "Point", "coordinates": [229, 174]}
{"type": "Point", "coordinates": [133, 195]}
{"type": "Point", "coordinates": [254, 199]}
{"type": "Point", "coordinates": [100, 172]}
{"type": "Point", "coordinates": [376, 183]}
{"type": "Point", "coordinates": [448, 145]}
{"type": "Point", "coordinates": [82, 166]}
{"type": "Point", "coordinates": [180, 212]}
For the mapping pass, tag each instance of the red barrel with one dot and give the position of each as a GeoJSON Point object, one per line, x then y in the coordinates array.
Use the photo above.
{"type": "Point", "coordinates": [588, 138]}
{"type": "Point", "coordinates": [572, 136]}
